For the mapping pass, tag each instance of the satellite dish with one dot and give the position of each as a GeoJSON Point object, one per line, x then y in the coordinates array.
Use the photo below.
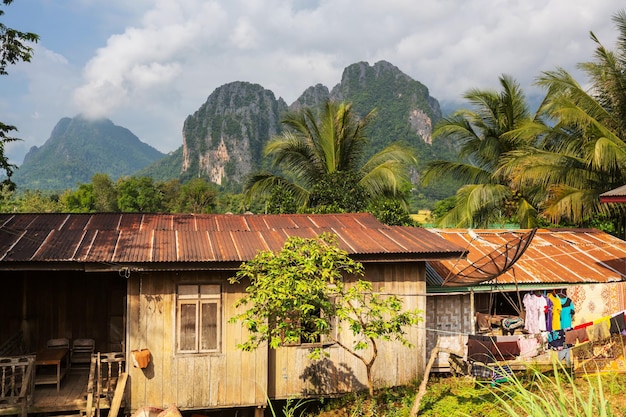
{"type": "Point", "coordinates": [492, 265]}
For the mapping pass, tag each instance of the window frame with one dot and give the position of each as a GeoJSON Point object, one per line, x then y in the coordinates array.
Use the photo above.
{"type": "Point", "coordinates": [324, 340]}
{"type": "Point", "coordinates": [204, 294]}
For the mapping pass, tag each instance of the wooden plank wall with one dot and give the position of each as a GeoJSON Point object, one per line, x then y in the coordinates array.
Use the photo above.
{"type": "Point", "coordinates": [53, 304]}
{"type": "Point", "coordinates": [229, 378]}
{"type": "Point", "coordinates": [292, 373]}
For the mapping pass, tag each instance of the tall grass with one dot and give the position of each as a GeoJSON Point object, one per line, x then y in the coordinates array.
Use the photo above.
{"type": "Point", "coordinates": [553, 395]}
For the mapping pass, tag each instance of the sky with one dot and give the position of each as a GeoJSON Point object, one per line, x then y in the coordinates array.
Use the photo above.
{"type": "Point", "coordinates": [148, 64]}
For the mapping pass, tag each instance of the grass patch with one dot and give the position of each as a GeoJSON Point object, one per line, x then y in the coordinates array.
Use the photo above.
{"type": "Point", "coordinates": [528, 394]}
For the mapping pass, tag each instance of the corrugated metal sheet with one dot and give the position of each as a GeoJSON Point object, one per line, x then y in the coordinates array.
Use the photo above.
{"type": "Point", "coordinates": [559, 256]}
{"type": "Point", "coordinates": [118, 238]}
{"type": "Point", "coordinates": [617, 195]}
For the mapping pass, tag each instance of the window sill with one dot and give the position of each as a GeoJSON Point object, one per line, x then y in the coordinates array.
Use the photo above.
{"type": "Point", "coordinates": [196, 354]}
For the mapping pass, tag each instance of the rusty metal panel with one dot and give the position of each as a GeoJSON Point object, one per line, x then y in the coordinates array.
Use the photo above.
{"type": "Point", "coordinates": [104, 221]}
{"type": "Point", "coordinates": [26, 246]}
{"type": "Point", "coordinates": [157, 222]}
{"type": "Point", "coordinates": [184, 222]}
{"type": "Point", "coordinates": [258, 223]}
{"type": "Point", "coordinates": [5, 218]}
{"type": "Point", "coordinates": [224, 246]}
{"type": "Point", "coordinates": [366, 241]}
{"type": "Point", "coordinates": [47, 222]}
{"type": "Point", "coordinates": [421, 240]}
{"type": "Point", "coordinates": [8, 238]}
{"type": "Point", "coordinates": [207, 222]}
{"type": "Point", "coordinates": [135, 237]}
{"type": "Point", "coordinates": [84, 246]}
{"type": "Point", "coordinates": [165, 246]}
{"type": "Point", "coordinates": [134, 246]}
{"type": "Point", "coordinates": [331, 221]}
{"type": "Point", "coordinates": [273, 240]}
{"type": "Point", "coordinates": [248, 244]}
{"type": "Point", "coordinates": [102, 247]}
{"type": "Point", "coordinates": [559, 256]}
{"type": "Point", "coordinates": [231, 222]}
{"type": "Point", "coordinates": [19, 222]}
{"type": "Point", "coordinates": [59, 246]}
{"type": "Point", "coordinates": [130, 221]}
{"type": "Point", "coordinates": [77, 222]}
{"type": "Point", "coordinates": [194, 246]}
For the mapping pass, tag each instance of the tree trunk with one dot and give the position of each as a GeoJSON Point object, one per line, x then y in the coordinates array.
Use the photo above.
{"type": "Point", "coordinates": [422, 389]}
{"type": "Point", "coordinates": [370, 381]}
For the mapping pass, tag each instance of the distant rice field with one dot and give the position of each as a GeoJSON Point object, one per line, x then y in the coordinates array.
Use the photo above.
{"type": "Point", "coordinates": [423, 217]}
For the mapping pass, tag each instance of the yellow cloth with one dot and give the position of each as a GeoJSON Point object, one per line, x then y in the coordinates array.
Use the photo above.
{"type": "Point", "coordinates": [600, 329]}
{"type": "Point", "coordinates": [556, 311]}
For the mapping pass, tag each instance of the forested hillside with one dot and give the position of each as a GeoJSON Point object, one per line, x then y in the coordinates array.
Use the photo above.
{"type": "Point", "coordinates": [77, 149]}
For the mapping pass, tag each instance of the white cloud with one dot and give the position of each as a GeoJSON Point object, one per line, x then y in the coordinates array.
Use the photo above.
{"type": "Point", "coordinates": [173, 53]}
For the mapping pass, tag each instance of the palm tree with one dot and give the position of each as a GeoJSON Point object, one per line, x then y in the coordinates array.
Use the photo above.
{"type": "Point", "coordinates": [580, 150]}
{"type": "Point", "coordinates": [321, 158]}
{"type": "Point", "coordinates": [487, 194]}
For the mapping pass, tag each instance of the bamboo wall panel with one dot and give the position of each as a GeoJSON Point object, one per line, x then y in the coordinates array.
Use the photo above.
{"type": "Point", "coordinates": [449, 317]}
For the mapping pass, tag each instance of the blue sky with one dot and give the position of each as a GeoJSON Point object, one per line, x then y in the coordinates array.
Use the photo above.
{"type": "Point", "coordinates": [148, 64]}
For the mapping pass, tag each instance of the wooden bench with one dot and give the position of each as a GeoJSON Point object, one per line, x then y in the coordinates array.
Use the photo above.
{"type": "Point", "coordinates": [17, 382]}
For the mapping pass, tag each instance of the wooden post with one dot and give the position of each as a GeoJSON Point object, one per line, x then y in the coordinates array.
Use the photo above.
{"type": "Point", "coordinates": [422, 389]}
{"type": "Point", "coordinates": [119, 395]}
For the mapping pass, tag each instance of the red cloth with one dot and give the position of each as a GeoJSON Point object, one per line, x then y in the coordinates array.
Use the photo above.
{"type": "Point", "coordinates": [582, 326]}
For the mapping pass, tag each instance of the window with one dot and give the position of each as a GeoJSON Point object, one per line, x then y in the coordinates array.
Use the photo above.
{"type": "Point", "coordinates": [198, 318]}
{"type": "Point", "coordinates": [308, 336]}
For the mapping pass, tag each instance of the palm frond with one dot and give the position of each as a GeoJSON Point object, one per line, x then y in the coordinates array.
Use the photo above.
{"type": "Point", "coordinates": [262, 184]}
{"type": "Point", "coordinates": [463, 172]}
{"type": "Point", "coordinates": [526, 215]}
{"type": "Point", "coordinates": [570, 203]}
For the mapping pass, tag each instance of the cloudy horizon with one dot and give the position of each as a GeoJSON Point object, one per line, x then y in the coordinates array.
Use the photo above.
{"type": "Point", "coordinates": [148, 64]}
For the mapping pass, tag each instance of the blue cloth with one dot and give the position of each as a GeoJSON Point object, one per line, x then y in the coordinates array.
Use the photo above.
{"type": "Point", "coordinates": [567, 312]}
{"type": "Point", "coordinates": [556, 339]}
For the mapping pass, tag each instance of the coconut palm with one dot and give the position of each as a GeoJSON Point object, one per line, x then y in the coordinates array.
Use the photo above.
{"type": "Point", "coordinates": [487, 194]}
{"type": "Point", "coordinates": [320, 155]}
{"type": "Point", "coordinates": [580, 151]}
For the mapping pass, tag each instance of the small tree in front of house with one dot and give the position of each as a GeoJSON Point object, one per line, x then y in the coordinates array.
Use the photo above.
{"type": "Point", "coordinates": [301, 295]}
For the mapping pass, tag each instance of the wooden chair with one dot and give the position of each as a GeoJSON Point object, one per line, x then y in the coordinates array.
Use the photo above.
{"type": "Point", "coordinates": [58, 343]}
{"type": "Point", "coordinates": [17, 383]}
{"type": "Point", "coordinates": [82, 349]}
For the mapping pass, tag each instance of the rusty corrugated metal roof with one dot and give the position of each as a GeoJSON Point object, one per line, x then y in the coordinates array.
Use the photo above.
{"type": "Point", "coordinates": [556, 256]}
{"type": "Point", "coordinates": [617, 195]}
{"type": "Point", "coordinates": [120, 238]}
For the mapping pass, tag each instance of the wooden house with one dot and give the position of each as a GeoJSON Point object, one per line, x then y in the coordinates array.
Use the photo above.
{"type": "Point", "coordinates": [155, 286]}
{"type": "Point", "coordinates": [589, 263]}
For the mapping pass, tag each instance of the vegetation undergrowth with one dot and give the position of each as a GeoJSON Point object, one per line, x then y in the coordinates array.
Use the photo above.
{"type": "Point", "coordinates": [528, 394]}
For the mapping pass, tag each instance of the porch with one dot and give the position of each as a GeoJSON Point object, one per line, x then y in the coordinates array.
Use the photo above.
{"type": "Point", "coordinates": [81, 392]}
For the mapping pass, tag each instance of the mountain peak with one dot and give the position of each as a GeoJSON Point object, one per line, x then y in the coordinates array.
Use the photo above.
{"type": "Point", "coordinates": [80, 147]}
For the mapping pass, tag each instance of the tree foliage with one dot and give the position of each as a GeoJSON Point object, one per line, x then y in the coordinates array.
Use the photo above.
{"type": "Point", "coordinates": [320, 159]}
{"type": "Point", "coordinates": [14, 47]}
{"type": "Point", "coordinates": [138, 194]}
{"type": "Point", "coordinates": [309, 291]}
{"type": "Point", "coordinates": [576, 148]}
{"type": "Point", "coordinates": [482, 134]}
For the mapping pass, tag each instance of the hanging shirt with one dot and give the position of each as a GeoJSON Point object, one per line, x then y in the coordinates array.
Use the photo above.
{"type": "Point", "coordinates": [535, 305]}
{"type": "Point", "coordinates": [567, 312]}
{"type": "Point", "coordinates": [548, 311]}
{"type": "Point", "coordinates": [618, 324]}
{"type": "Point", "coordinates": [542, 306]}
{"type": "Point", "coordinates": [556, 311]}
